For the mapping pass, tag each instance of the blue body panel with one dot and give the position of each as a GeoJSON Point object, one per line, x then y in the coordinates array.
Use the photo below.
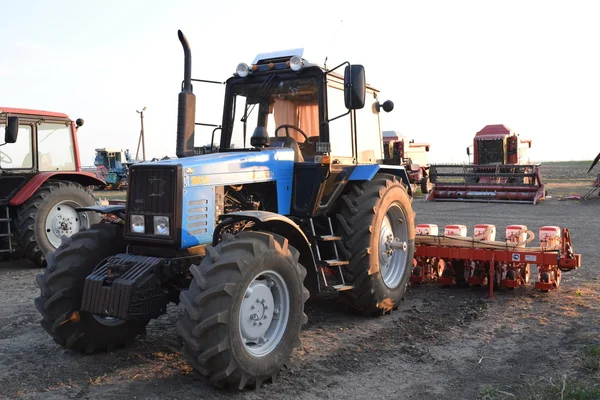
{"type": "Point", "coordinates": [364, 172]}
{"type": "Point", "coordinates": [201, 174]}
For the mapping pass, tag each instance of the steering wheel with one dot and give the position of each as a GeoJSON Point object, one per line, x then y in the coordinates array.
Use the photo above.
{"type": "Point", "coordinates": [287, 131]}
{"type": "Point", "coordinates": [5, 158]}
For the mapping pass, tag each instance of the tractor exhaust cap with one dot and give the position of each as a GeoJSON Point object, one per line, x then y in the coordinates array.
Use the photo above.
{"type": "Point", "coordinates": [186, 111]}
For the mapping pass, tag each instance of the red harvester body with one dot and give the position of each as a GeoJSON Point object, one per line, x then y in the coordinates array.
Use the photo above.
{"type": "Point", "coordinates": [500, 172]}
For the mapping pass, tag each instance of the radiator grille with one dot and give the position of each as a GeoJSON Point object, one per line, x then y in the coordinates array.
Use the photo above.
{"type": "Point", "coordinates": [155, 190]}
{"type": "Point", "coordinates": [152, 189]}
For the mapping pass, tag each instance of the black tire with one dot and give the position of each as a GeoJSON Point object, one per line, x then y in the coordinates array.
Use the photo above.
{"type": "Point", "coordinates": [61, 287]}
{"type": "Point", "coordinates": [210, 327]}
{"type": "Point", "coordinates": [359, 222]}
{"type": "Point", "coordinates": [31, 216]}
{"type": "Point", "coordinates": [425, 185]}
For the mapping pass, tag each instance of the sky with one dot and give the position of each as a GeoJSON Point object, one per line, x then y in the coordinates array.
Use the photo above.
{"type": "Point", "coordinates": [450, 67]}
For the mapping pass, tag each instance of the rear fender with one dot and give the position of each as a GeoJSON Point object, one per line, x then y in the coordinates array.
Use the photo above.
{"type": "Point", "coordinates": [82, 178]}
{"type": "Point", "coordinates": [366, 172]}
{"type": "Point", "coordinates": [281, 225]}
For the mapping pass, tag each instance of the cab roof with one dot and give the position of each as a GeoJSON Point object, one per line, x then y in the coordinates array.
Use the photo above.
{"type": "Point", "coordinates": [26, 111]}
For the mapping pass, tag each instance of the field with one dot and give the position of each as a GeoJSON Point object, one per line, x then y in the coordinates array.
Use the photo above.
{"type": "Point", "coordinates": [441, 343]}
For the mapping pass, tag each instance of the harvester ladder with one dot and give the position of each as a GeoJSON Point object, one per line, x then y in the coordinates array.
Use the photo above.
{"type": "Point", "coordinates": [5, 231]}
{"type": "Point", "coordinates": [328, 238]}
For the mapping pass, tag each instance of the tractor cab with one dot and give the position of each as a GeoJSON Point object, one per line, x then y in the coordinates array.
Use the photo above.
{"type": "Point", "coordinates": [39, 142]}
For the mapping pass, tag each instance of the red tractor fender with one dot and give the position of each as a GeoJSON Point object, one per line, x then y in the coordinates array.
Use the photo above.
{"type": "Point", "coordinates": [83, 178]}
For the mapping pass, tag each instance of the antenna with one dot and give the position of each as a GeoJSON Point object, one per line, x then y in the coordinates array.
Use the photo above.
{"type": "Point", "coordinates": [334, 35]}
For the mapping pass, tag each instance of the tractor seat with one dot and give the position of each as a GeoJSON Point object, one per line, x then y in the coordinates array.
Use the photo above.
{"type": "Point", "coordinates": [286, 141]}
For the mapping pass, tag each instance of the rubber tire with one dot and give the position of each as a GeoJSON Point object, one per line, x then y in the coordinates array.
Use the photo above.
{"type": "Point", "coordinates": [61, 286]}
{"type": "Point", "coordinates": [425, 185]}
{"type": "Point", "coordinates": [210, 324]}
{"type": "Point", "coordinates": [30, 223]}
{"type": "Point", "coordinates": [358, 223]}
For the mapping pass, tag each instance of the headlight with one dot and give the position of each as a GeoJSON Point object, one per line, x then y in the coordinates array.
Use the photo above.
{"type": "Point", "coordinates": [161, 226]}
{"type": "Point", "coordinates": [242, 70]}
{"type": "Point", "coordinates": [137, 224]}
{"type": "Point", "coordinates": [296, 63]}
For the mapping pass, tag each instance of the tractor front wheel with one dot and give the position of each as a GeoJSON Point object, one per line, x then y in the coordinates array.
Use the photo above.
{"type": "Point", "coordinates": [244, 309]}
{"type": "Point", "coordinates": [61, 286]}
{"type": "Point", "coordinates": [50, 214]}
{"type": "Point", "coordinates": [376, 217]}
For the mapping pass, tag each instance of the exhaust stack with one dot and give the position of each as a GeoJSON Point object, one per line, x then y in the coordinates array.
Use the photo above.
{"type": "Point", "coordinates": [186, 112]}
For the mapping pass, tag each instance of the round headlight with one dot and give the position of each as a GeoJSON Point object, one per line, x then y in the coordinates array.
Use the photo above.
{"type": "Point", "coordinates": [242, 70]}
{"type": "Point", "coordinates": [296, 63]}
{"type": "Point", "coordinates": [161, 226]}
{"type": "Point", "coordinates": [137, 224]}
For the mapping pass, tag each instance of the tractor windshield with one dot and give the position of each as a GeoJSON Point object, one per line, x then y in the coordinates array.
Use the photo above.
{"type": "Point", "coordinates": [272, 103]}
{"type": "Point", "coordinates": [17, 155]}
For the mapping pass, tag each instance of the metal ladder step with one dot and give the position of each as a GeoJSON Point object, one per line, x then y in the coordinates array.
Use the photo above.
{"type": "Point", "coordinates": [334, 263]}
{"type": "Point", "coordinates": [328, 238]}
{"type": "Point", "coordinates": [341, 288]}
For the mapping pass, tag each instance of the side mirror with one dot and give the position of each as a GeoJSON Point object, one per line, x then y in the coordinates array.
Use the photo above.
{"type": "Point", "coordinates": [355, 87]}
{"type": "Point", "coordinates": [468, 152]}
{"type": "Point", "coordinates": [12, 130]}
{"type": "Point", "coordinates": [79, 122]}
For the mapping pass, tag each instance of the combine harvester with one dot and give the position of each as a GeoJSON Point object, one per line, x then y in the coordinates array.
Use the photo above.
{"type": "Point", "coordinates": [500, 172]}
{"type": "Point", "coordinates": [480, 260]}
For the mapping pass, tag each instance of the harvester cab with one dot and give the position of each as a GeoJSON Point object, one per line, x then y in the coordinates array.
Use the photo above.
{"type": "Point", "coordinates": [290, 198]}
{"type": "Point", "coordinates": [399, 150]}
{"type": "Point", "coordinates": [500, 171]}
{"type": "Point", "coordinates": [41, 183]}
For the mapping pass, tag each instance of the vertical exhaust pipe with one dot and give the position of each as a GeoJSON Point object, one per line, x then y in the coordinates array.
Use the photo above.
{"type": "Point", "coordinates": [186, 111]}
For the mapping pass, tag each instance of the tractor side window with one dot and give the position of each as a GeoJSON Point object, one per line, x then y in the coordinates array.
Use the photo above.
{"type": "Point", "coordinates": [55, 147]}
{"type": "Point", "coordinates": [17, 155]}
{"type": "Point", "coordinates": [368, 131]}
{"type": "Point", "coordinates": [340, 131]}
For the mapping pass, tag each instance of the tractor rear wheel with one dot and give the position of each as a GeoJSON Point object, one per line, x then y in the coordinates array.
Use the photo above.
{"type": "Point", "coordinates": [373, 215]}
{"type": "Point", "coordinates": [49, 214]}
{"type": "Point", "coordinates": [244, 309]}
{"type": "Point", "coordinates": [61, 286]}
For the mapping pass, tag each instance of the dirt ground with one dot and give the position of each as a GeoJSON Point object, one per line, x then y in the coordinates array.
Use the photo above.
{"type": "Point", "coordinates": [442, 343]}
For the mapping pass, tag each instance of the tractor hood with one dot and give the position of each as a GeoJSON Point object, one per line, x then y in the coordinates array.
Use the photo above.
{"type": "Point", "coordinates": [238, 167]}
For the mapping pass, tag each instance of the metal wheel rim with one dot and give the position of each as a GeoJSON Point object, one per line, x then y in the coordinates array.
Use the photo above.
{"type": "Point", "coordinates": [392, 263]}
{"type": "Point", "coordinates": [63, 220]}
{"type": "Point", "coordinates": [264, 313]}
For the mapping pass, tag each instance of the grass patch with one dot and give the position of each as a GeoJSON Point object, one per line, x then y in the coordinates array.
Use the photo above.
{"type": "Point", "coordinates": [563, 388]}
{"type": "Point", "coordinates": [492, 393]}
{"type": "Point", "coordinates": [589, 359]}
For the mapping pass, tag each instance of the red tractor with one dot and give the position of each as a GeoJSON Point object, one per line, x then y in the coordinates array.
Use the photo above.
{"type": "Point", "coordinates": [413, 156]}
{"type": "Point", "coordinates": [41, 183]}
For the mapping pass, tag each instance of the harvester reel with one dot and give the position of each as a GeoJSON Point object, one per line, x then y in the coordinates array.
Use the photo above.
{"type": "Point", "coordinates": [101, 172]}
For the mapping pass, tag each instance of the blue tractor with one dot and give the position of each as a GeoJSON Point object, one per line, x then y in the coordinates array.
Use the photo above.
{"type": "Point", "coordinates": [293, 199]}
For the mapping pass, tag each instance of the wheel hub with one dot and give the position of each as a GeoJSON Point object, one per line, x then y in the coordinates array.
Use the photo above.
{"type": "Point", "coordinates": [257, 307]}
{"type": "Point", "coordinates": [264, 313]}
{"type": "Point", "coordinates": [393, 237]}
{"type": "Point", "coordinates": [63, 220]}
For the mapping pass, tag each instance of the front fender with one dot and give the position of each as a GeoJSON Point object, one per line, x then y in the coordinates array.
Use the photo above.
{"type": "Point", "coordinates": [283, 226]}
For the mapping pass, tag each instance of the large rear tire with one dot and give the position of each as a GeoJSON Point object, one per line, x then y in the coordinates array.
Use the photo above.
{"type": "Point", "coordinates": [50, 214]}
{"type": "Point", "coordinates": [244, 309]}
{"type": "Point", "coordinates": [61, 286]}
{"type": "Point", "coordinates": [372, 215]}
